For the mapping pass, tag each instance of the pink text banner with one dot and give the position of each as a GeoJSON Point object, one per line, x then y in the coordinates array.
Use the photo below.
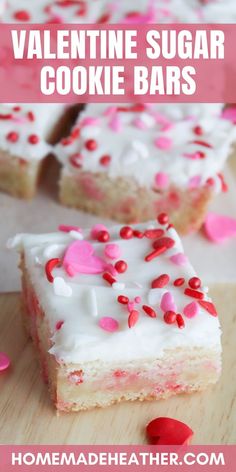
{"type": "Point", "coordinates": [116, 458]}
{"type": "Point", "coordinates": [151, 63]}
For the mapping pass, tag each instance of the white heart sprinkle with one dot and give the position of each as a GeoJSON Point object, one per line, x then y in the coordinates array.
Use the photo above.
{"type": "Point", "coordinates": [61, 288]}
{"type": "Point", "coordinates": [118, 286]}
{"type": "Point", "coordinates": [76, 235]}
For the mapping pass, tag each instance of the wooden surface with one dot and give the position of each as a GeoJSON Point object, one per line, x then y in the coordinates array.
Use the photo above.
{"type": "Point", "coordinates": [27, 416]}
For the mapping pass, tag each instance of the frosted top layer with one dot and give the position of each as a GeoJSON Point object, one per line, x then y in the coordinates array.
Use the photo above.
{"type": "Point", "coordinates": [155, 144]}
{"type": "Point", "coordinates": [24, 129]}
{"type": "Point", "coordinates": [54, 11]}
{"type": "Point", "coordinates": [110, 301]}
{"type": "Point", "coordinates": [171, 11]}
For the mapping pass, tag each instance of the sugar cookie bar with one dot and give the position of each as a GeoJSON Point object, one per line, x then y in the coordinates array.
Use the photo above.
{"type": "Point", "coordinates": [130, 162]}
{"type": "Point", "coordinates": [117, 314]}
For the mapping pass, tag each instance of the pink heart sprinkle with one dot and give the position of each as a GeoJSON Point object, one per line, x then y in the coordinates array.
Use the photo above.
{"type": "Point", "coordinates": [163, 143]}
{"type": "Point", "coordinates": [112, 251]}
{"type": "Point", "coordinates": [161, 180]}
{"type": "Point", "coordinates": [219, 228]}
{"type": "Point", "coordinates": [4, 362]}
{"type": "Point", "coordinates": [79, 258]}
{"type": "Point", "coordinates": [168, 303]}
{"type": "Point", "coordinates": [179, 259]}
{"type": "Point", "coordinates": [191, 310]}
{"type": "Point", "coordinates": [108, 324]}
{"type": "Point", "coordinates": [96, 229]}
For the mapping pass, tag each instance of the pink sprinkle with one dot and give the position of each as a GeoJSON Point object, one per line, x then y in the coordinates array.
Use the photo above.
{"type": "Point", "coordinates": [179, 259]}
{"type": "Point", "coordinates": [4, 362]}
{"type": "Point", "coordinates": [89, 121]}
{"type": "Point", "coordinates": [79, 258]}
{"type": "Point", "coordinates": [168, 303]}
{"type": "Point", "coordinates": [109, 111]}
{"type": "Point", "coordinates": [68, 228]}
{"type": "Point", "coordinates": [139, 123]}
{"type": "Point", "coordinates": [59, 325]}
{"type": "Point", "coordinates": [96, 229]}
{"type": "Point", "coordinates": [116, 124]}
{"type": "Point", "coordinates": [112, 251]}
{"type": "Point", "coordinates": [163, 143]}
{"type": "Point", "coordinates": [194, 182]}
{"type": "Point", "coordinates": [108, 324]}
{"type": "Point", "coordinates": [219, 228]}
{"type": "Point", "coordinates": [138, 300]}
{"type": "Point", "coordinates": [161, 180]}
{"type": "Point", "coordinates": [191, 310]}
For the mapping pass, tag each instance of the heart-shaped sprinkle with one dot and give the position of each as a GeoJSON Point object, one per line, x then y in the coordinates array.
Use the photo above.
{"type": "Point", "coordinates": [168, 303]}
{"type": "Point", "coordinates": [168, 431]}
{"type": "Point", "coordinates": [179, 259]}
{"type": "Point", "coordinates": [4, 362]}
{"type": "Point", "coordinates": [108, 324]}
{"type": "Point", "coordinates": [61, 288]}
{"type": "Point", "coordinates": [79, 258]}
{"type": "Point", "coordinates": [191, 310]}
{"type": "Point", "coordinates": [112, 251]}
{"type": "Point", "coordinates": [219, 228]}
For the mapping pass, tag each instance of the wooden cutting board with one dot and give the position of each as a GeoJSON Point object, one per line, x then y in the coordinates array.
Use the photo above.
{"type": "Point", "coordinates": [27, 416]}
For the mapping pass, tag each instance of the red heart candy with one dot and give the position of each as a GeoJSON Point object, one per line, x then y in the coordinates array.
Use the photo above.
{"type": "Point", "coordinates": [168, 431]}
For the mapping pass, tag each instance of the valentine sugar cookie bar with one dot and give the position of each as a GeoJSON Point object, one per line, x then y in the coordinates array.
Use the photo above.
{"type": "Point", "coordinates": [25, 134]}
{"type": "Point", "coordinates": [117, 314]}
{"type": "Point", "coordinates": [129, 162]}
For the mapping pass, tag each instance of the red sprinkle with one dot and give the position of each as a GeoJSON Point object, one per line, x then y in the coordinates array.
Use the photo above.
{"type": "Point", "coordinates": [195, 283]}
{"type": "Point", "coordinates": [120, 373]}
{"type": "Point", "coordinates": [22, 15]}
{"type": "Point", "coordinates": [167, 242]}
{"type": "Point", "coordinates": [59, 325]}
{"type": "Point", "coordinates": [198, 130]}
{"type": "Point", "coordinates": [91, 145]}
{"type": "Point", "coordinates": [31, 116]}
{"type": "Point", "coordinates": [13, 137]}
{"type": "Point", "coordinates": [103, 236]}
{"type": "Point", "coordinates": [50, 265]}
{"type": "Point", "coordinates": [224, 186]}
{"type": "Point", "coordinates": [202, 143]}
{"type": "Point", "coordinates": [133, 318]}
{"type": "Point", "coordinates": [123, 300]}
{"type": "Point", "coordinates": [179, 282]}
{"type": "Point", "coordinates": [154, 233]}
{"type": "Point", "coordinates": [138, 234]}
{"type": "Point", "coordinates": [161, 281]}
{"type": "Point", "coordinates": [105, 160]}
{"type": "Point", "coordinates": [121, 266]}
{"type": "Point", "coordinates": [194, 293]}
{"type": "Point", "coordinates": [209, 307]}
{"type": "Point", "coordinates": [180, 321]}
{"type": "Point", "coordinates": [75, 160]}
{"type": "Point", "coordinates": [163, 219]}
{"type": "Point", "coordinates": [108, 278]}
{"type": "Point", "coordinates": [126, 232]}
{"type": "Point", "coordinates": [155, 253]}
{"type": "Point", "coordinates": [6, 117]}
{"type": "Point", "coordinates": [149, 311]}
{"type": "Point", "coordinates": [170, 317]}
{"type": "Point", "coordinates": [33, 139]}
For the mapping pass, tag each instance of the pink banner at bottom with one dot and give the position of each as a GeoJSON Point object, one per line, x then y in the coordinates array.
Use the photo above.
{"type": "Point", "coordinates": [115, 458]}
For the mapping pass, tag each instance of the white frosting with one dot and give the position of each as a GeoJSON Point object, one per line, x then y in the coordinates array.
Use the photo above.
{"type": "Point", "coordinates": [81, 301]}
{"type": "Point", "coordinates": [45, 116]}
{"type": "Point", "coordinates": [172, 11]}
{"type": "Point", "coordinates": [133, 150]}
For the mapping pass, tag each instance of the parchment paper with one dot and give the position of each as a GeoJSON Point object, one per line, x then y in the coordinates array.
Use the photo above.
{"type": "Point", "coordinates": [214, 263]}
